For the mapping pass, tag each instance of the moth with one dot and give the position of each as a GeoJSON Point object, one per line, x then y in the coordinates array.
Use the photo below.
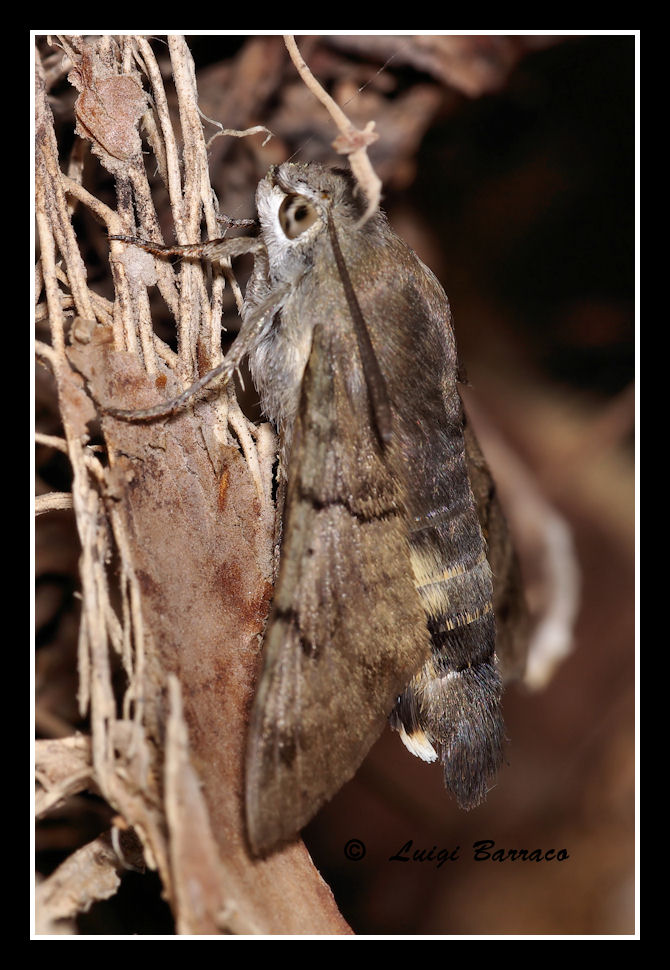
{"type": "Point", "coordinates": [383, 603]}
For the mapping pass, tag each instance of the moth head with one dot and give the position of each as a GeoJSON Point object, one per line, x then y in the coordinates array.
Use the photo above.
{"type": "Point", "coordinates": [295, 202]}
{"type": "Point", "coordinates": [293, 213]}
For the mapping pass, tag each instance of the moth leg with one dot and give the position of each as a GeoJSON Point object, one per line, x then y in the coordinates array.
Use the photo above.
{"type": "Point", "coordinates": [214, 250]}
{"type": "Point", "coordinates": [256, 320]}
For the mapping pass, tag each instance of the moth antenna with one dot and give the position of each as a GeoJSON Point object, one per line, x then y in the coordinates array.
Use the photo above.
{"type": "Point", "coordinates": [376, 384]}
{"type": "Point", "coordinates": [214, 250]}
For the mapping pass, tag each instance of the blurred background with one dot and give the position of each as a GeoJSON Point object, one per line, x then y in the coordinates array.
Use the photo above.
{"type": "Point", "coordinates": [508, 164]}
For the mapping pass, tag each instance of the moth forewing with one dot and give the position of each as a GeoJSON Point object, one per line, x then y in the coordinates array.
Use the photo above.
{"type": "Point", "coordinates": [332, 670]}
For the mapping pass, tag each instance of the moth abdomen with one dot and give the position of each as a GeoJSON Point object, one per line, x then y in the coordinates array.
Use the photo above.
{"type": "Point", "coordinates": [454, 714]}
{"type": "Point", "coordinates": [452, 707]}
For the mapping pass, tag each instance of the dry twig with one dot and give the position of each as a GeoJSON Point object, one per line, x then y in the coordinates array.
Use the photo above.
{"type": "Point", "coordinates": [351, 141]}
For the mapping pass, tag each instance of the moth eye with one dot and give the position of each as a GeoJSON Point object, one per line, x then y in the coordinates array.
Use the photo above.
{"type": "Point", "coordinates": [296, 213]}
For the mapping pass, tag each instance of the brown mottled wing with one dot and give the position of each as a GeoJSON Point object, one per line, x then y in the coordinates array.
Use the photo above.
{"type": "Point", "coordinates": [347, 630]}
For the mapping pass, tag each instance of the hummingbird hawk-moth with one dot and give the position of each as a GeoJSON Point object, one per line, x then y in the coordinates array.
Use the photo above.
{"type": "Point", "coordinates": [383, 604]}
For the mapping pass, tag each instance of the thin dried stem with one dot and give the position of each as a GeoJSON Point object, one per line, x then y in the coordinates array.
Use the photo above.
{"type": "Point", "coordinates": [234, 132]}
{"type": "Point", "coordinates": [53, 502]}
{"type": "Point", "coordinates": [352, 141]}
{"type": "Point", "coordinates": [168, 136]}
